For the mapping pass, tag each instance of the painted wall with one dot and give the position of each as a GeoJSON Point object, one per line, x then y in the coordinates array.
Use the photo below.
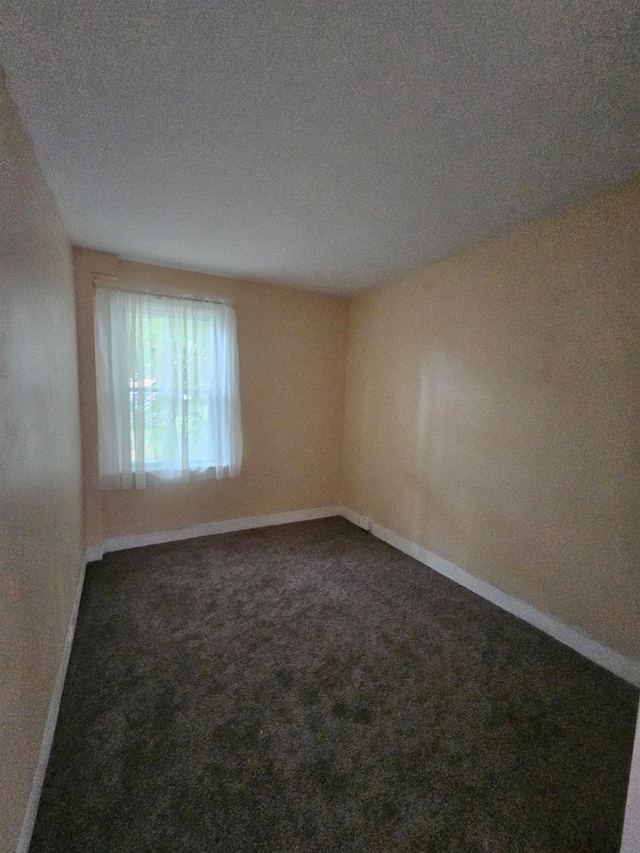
{"type": "Point", "coordinates": [41, 550]}
{"type": "Point", "coordinates": [492, 411]}
{"type": "Point", "coordinates": [292, 347]}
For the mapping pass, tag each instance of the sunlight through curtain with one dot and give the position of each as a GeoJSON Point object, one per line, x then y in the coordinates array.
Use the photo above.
{"type": "Point", "coordinates": [167, 385]}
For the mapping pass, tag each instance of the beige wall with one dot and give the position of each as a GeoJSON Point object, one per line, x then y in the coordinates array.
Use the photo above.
{"type": "Point", "coordinates": [492, 412]}
{"type": "Point", "coordinates": [292, 356]}
{"type": "Point", "coordinates": [40, 496]}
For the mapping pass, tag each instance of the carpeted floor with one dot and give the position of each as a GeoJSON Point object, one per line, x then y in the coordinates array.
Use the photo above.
{"type": "Point", "coordinates": [309, 688]}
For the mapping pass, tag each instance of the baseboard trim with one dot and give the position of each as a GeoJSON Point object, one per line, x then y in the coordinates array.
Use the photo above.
{"type": "Point", "coordinates": [357, 519]}
{"type": "Point", "coordinates": [49, 729]}
{"type": "Point", "coordinates": [93, 553]}
{"type": "Point", "coordinates": [121, 543]}
{"type": "Point", "coordinates": [631, 826]}
{"type": "Point", "coordinates": [574, 637]}
{"type": "Point", "coordinates": [577, 639]}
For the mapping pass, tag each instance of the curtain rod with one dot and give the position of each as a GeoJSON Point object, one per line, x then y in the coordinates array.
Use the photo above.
{"type": "Point", "coordinates": [100, 280]}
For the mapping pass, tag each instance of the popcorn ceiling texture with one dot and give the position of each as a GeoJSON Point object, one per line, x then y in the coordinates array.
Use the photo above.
{"type": "Point", "coordinates": [309, 688]}
{"type": "Point", "coordinates": [329, 144]}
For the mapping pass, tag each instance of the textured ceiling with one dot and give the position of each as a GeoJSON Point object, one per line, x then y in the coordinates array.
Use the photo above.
{"type": "Point", "coordinates": [328, 144]}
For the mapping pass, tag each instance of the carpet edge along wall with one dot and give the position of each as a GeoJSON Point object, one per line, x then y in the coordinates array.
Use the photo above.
{"type": "Point", "coordinates": [623, 666]}
{"type": "Point", "coordinates": [307, 686]}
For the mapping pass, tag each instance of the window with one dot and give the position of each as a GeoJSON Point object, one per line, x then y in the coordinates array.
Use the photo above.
{"type": "Point", "coordinates": [167, 385]}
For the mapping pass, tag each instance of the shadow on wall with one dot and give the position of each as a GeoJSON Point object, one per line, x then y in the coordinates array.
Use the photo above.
{"type": "Point", "coordinates": [497, 474]}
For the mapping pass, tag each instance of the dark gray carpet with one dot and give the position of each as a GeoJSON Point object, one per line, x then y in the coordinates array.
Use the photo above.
{"type": "Point", "coordinates": [309, 688]}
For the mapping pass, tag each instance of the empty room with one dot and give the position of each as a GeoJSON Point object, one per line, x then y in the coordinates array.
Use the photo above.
{"type": "Point", "coordinates": [319, 443]}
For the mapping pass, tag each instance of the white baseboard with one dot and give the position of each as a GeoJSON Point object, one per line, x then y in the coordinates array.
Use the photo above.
{"type": "Point", "coordinates": [357, 519]}
{"type": "Point", "coordinates": [120, 543]}
{"type": "Point", "coordinates": [624, 667]}
{"type": "Point", "coordinates": [49, 729]}
{"type": "Point", "coordinates": [631, 828]}
{"type": "Point", "coordinates": [577, 639]}
{"type": "Point", "coordinates": [93, 553]}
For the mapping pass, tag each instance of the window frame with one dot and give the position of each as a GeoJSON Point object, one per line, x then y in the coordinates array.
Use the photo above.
{"type": "Point", "coordinates": [226, 400]}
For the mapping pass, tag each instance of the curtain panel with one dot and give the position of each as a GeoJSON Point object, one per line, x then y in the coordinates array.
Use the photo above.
{"type": "Point", "coordinates": [167, 387]}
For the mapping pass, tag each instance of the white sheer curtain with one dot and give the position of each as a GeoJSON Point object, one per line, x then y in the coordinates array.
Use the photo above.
{"type": "Point", "coordinates": [167, 385]}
